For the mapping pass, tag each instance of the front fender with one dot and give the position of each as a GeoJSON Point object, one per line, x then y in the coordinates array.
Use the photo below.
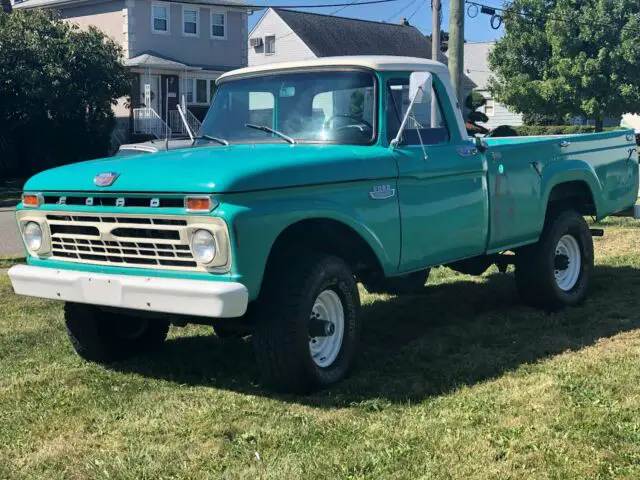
{"type": "Point", "coordinates": [256, 221]}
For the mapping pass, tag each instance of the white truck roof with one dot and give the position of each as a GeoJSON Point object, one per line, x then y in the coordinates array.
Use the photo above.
{"type": "Point", "coordinates": [374, 62]}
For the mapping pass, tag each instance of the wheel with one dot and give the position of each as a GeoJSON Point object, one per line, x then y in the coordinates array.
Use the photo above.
{"type": "Point", "coordinates": [411, 284]}
{"type": "Point", "coordinates": [103, 337]}
{"type": "Point", "coordinates": [555, 272]}
{"type": "Point", "coordinates": [309, 335]}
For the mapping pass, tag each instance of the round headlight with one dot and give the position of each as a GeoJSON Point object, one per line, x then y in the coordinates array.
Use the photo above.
{"type": "Point", "coordinates": [203, 246]}
{"type": "Point", "coordinates": [33, 236]}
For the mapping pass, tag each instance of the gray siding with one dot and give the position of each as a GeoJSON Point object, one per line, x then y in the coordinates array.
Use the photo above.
{"type": "Point", "coordinates": [289, 47]}
{"type": "Point", "coordinates": [501, 113]}
{"type": "Point", "coordinates": [200, 51]}
{"type": "Point", "coordinates": [106, 16]}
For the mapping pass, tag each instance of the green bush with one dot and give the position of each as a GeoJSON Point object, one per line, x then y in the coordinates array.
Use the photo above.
{"type": "Point", "coordinates": [57, 87]}
{"type": "Point", "coordinates": [536, 130]}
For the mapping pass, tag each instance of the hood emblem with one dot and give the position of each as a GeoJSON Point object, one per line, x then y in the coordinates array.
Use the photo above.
{"type": "Point", "coordinates": [105, 179]}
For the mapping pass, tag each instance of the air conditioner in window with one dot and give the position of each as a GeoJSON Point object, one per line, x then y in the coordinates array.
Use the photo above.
{"type": "Point", "coordinates": [255, 42]}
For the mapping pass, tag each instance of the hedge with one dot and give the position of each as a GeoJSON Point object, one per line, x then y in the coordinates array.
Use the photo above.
{"type": "Point", "coordinates": [535, 130]}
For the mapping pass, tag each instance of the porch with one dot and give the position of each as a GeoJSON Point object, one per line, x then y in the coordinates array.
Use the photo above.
{"type": "Point", "coordinates": [161, 85]}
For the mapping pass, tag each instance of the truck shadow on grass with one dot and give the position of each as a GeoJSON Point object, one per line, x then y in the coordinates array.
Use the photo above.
{"type": "Point", "coordinates": [456, 334]}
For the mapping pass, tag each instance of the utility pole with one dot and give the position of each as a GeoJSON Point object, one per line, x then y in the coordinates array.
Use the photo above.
{"type": "Point", "coordinates": [456, 47]}
{"type": "Point", "coordinates": [436, 9]}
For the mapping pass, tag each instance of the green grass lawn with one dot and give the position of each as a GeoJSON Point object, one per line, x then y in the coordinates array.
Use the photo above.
{"type": "Point", "coordinates": [462, 382]}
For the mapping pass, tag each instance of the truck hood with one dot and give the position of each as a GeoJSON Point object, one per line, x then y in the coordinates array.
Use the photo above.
{"type": "Point", "coordinates": [223, 169]}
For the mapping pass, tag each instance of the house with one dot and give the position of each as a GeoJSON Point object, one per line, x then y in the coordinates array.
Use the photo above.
{"type": "Point", "coordinates": [174, 50]}
{"type": "Point", "coordinates": [476, 68]}
{"type": "Point", "coordinates": [288, 35]}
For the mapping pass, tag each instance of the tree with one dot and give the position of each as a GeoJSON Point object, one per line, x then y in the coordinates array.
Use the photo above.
{"type": "Point", "coordinates": [473, 102]}
{"type": "Point", "coordinates": [569, 57]}
{"type": "Point", "coordinates": [57, 85]}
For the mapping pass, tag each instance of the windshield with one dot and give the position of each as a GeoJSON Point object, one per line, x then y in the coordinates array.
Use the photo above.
{"type": "Point", "coordinates": [321, 106]}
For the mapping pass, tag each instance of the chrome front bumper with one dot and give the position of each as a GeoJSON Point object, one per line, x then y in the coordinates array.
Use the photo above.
{"type": "Point", "coordinates": [167, 295]}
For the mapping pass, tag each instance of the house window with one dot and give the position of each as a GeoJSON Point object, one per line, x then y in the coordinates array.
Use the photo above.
{"type": "Point", "coordinates": [218, 25]}
{"type": "Point", "coordinates": [190, 21]}
{"type": "Point", "coordinates": [489, 108]}
{"type": "Point", "coordinates": [270, 45]}
{"type": "Point", "coordinates": [199, 91]}
{"type": "Point", "coordinates": [159, 18]}
{"type": "Point", "coordinates": [188, 91]}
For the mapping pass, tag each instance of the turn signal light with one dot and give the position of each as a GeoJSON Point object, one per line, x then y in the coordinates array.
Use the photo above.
{"type": "Point", "coordinates": [200, 204]}
{"type": "Point", "coordinates": [32, 199]}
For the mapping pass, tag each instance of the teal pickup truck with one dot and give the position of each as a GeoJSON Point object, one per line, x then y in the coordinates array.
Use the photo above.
{"type": "Point", "coordinates": [309, 178]}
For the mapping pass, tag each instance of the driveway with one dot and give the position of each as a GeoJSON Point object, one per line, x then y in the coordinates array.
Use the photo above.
{"type": "Point", "coordinates": [10, 243]}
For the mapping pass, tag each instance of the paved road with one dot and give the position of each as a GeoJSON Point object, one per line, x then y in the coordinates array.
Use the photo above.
{"type": "Point", "coordinates": [10, 243]}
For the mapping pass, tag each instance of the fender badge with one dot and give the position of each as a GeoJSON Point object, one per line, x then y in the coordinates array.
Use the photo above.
{"type": "Point", "coordinates": [382, 192]}
{"type": "Point", "coordinates": [105, 179]}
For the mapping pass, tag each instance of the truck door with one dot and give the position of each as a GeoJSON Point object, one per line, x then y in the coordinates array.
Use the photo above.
{"type": "Point", "coordinates": [442, 187]}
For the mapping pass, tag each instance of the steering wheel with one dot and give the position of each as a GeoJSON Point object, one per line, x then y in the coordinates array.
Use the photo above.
{"type": "Point", "coordinates": [359, 121]}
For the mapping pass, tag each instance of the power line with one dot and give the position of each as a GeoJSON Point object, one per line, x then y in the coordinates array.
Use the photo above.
{"type": "Point", "coordinates": [416, 10]}
{"type": "Point", "coordinates": [491, 10]}
{"type": "Point", "coordinates": [259, 7]}
{"type": "Point", "coordinates": [353, 3]}
{"type": "Point", "coordinates": [343, 8]}
{"type": "Point", "coordinates": [401, 10]}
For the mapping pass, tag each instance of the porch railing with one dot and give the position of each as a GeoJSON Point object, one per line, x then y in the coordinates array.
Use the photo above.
{"type": "Point", "coordinates": [177, 126]}
{"type": "Point", "coordinates": [146, 120]}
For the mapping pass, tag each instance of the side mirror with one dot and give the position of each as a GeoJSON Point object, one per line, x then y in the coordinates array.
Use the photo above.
{"type": "Point", "coordinates": [420, 89]}
{"type": "Point", "coordinates": [419, 86]}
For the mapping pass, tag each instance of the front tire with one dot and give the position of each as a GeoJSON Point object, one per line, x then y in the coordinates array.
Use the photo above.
{"type": "Point", "coordinates": [309, 336]}
{"type": "Point", "coordinates": [103, 336]}
{"type": "Point", "coordinates": [555, 272]}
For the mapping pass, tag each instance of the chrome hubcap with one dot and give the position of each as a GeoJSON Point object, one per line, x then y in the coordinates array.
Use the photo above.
{"type": "Point", "coordinates": [567, 263]}
{"type": "Point", "coordinates": [327, 309]}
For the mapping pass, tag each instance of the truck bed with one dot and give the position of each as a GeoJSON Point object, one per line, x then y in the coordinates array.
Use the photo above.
{"type": "Point", "coordinates": [522, 173]}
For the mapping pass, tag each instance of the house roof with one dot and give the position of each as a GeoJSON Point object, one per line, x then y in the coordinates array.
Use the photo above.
{"type": "Point", "coordinates": [154, 60]}
{"type": "Point", "coordinates": [327, 35]}
{"type": "Point", "coordinates": [65, 3]}
{"type": "Point", "coordinates": [375, 62]}
{"type": "Point", "coordinates": [151, 59]}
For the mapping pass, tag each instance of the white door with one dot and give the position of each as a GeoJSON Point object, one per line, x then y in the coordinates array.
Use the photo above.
{"type": "Point", "coordinates": [150, 88]}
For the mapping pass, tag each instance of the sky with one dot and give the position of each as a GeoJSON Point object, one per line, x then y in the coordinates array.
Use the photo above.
{"type": "Point", "coordinates": [476, 29]}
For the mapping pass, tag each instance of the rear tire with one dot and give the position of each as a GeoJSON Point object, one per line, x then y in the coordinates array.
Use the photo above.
{"type": "Point", "coordinates": [411, 284]}
{"type": "Point", "coordinates": [290, 358]}
{"type": "Point", "coordinates": [555, 272]}
{"type": "Point", "coordinates": [103, 337]}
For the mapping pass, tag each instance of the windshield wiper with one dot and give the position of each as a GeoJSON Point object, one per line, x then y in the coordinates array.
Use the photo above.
{"type": "Point", "coordinates": [221, 141]}
{"type": "Point", "coordinates": [264, 128]}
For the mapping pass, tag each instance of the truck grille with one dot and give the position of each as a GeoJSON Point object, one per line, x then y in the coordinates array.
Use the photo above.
{"type": "Point", "coordinates": [121, 240]}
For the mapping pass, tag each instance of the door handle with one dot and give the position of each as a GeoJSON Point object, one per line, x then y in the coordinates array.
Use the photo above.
{"type": "Point", "coordinates": [564, 144]}
{"type": "Point", "coordinates": [467, 151]}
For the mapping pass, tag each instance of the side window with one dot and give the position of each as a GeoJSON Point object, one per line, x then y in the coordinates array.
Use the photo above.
{"type": "Point", "coordinates": [426, 122]}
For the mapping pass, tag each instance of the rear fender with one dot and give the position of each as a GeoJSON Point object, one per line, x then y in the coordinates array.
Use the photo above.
{"type": "Point", "coordinates": [566, 171]}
